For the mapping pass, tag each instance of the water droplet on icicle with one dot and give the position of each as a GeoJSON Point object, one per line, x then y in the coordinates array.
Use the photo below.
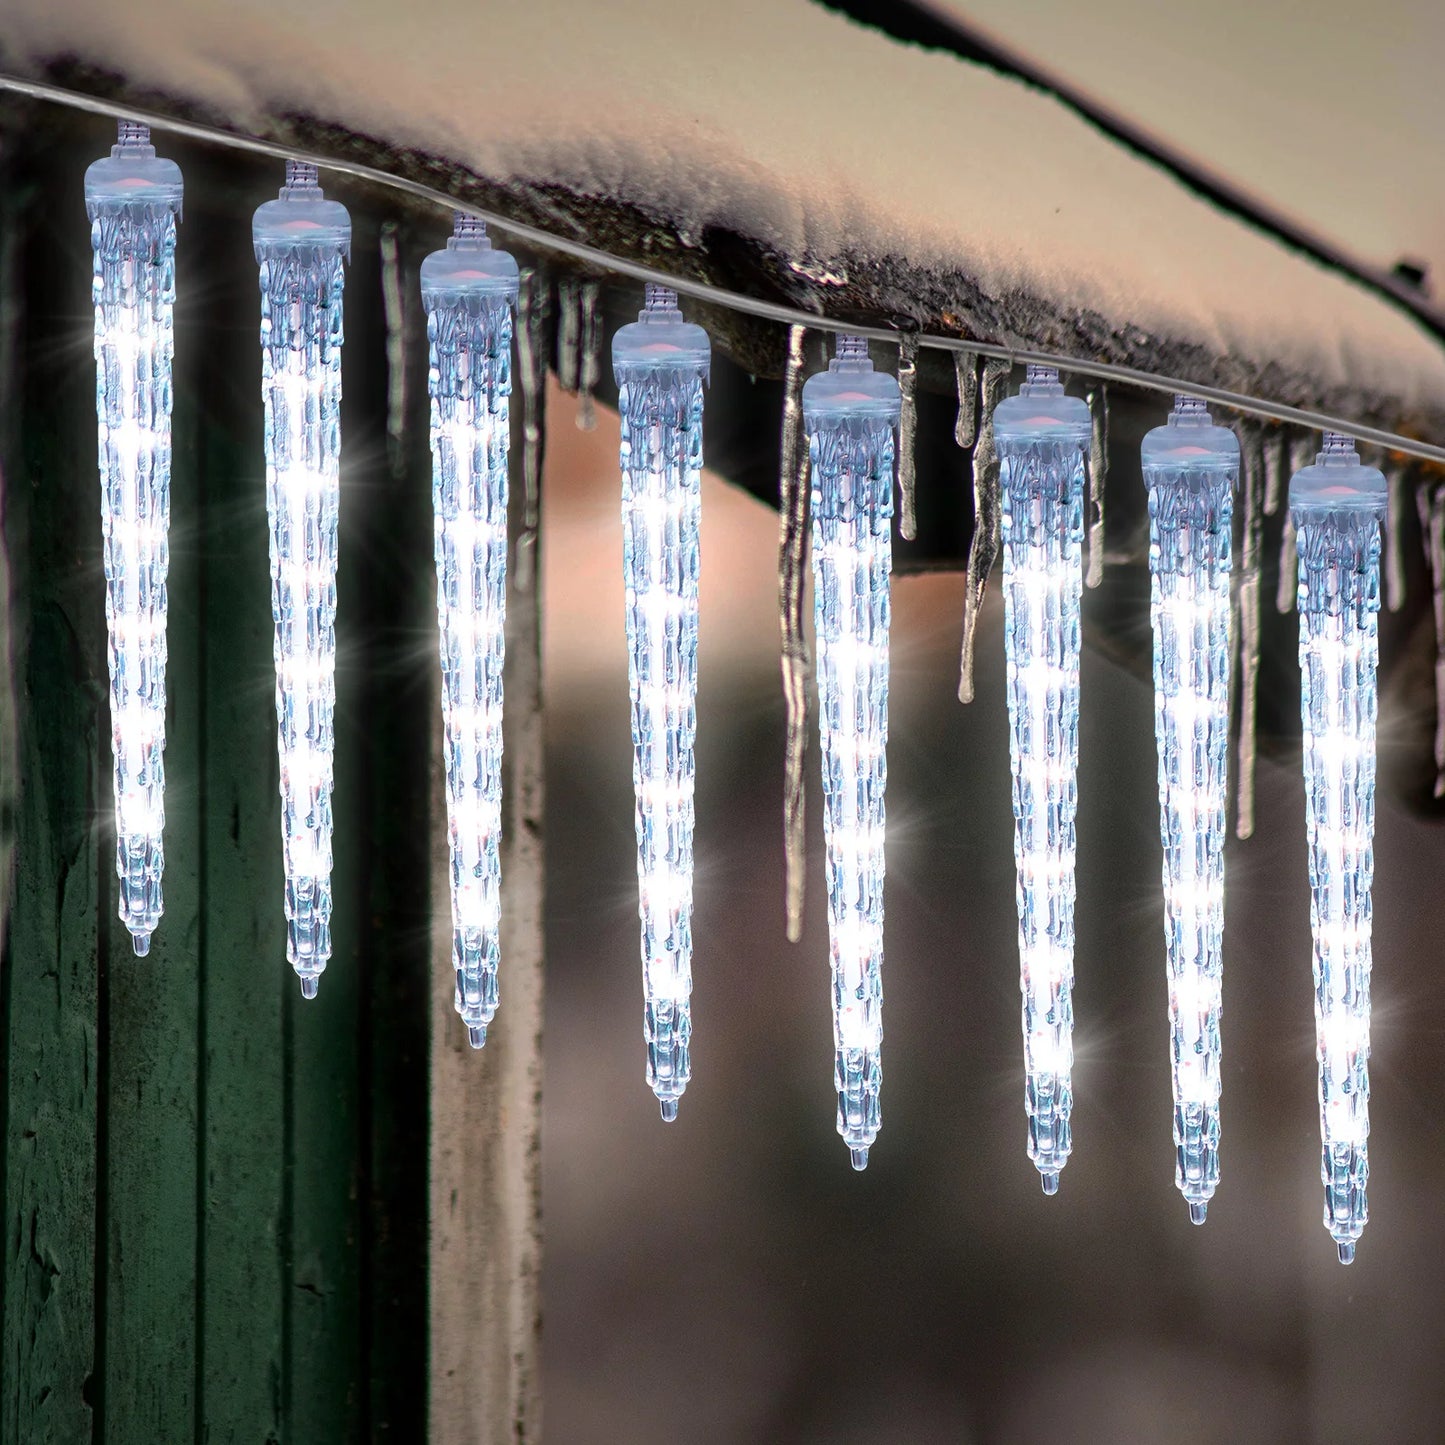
{"type": "Point", "coordinates": [792, 564]}
{"type": "Point", "coordinates": [983, 550]}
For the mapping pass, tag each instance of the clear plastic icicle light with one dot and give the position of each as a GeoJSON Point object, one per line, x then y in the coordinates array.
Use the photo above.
{"type": "Point", "coordinates": [850, 414]}
{"type": "Point", "coordinates": [301, 240]}
{"type": "Point", "coordinates": [469, 291]}
{"type": "Point", "coordinates": [133, 199]}
{"type": "Point", "coordinates": [660, 362]}
{"type": "Point", "coordinates": [1043, 439]}
{"type": "Point", "coordinates": [1191, 467]}
{"type": "Point", "coordinates": [1338, 506]}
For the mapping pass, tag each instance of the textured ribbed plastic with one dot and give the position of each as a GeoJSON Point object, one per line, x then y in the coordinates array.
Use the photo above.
{"type": "Point", "coordinates": [850, 415]}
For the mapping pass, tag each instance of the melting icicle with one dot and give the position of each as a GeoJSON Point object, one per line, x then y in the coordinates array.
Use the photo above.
{"type": "Point", "coordinates": [468, 291]}
{"type": "Point", "coordinates": [1098, 403]}
{"type": "Point", "coordinates": [965, 368]}
{"type": "Point", "coordinates": [907, 436]}
{"type": "Point", "coordinates": [1043, 438]}
{"type": "Point", "coordinates": [792, 559]}
{"type": "Point", "coordinates": [983, 550]}
{"type": "Point", "coordinates": [569, 333]}
{"type": "Point", "coordinates": [1434, 512]}
{"type": "Point", "coordinates": [1252, 470]}
{"type": "Point", "coordinates": [589, 366]}
{"type": "Point", "coordinates": [661, 362]}
{"type": "Point", "coordinates": [532, 313]}
{"type": "Point", "coordinates": [1190, 467]}
{"type": "Point", "coordinates": [1397, 477]}
{"type": "Point", "coordinates": [133, 200]}
{"type": "Point", "coordinates": [393, 308]}
{"type": "Point", "coordinates": [1276, 458]}
{"type": "Point", "coordinates": [301, 240]}
{"type": "Point", "coordinates": [1338, 507]}
{"type": "Point", "coordinates": [850, 412]}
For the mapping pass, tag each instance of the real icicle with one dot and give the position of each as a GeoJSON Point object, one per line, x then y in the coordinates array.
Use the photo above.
{"type": "Point", "coordinates": [589, 366]}
{"type": "Point", "coordinates": [1433, 517]}
{"type": "Point", "coordinates": [792, 560]}
{"type": "Point", "coordinates": [133, 200]}
{"type": "Point", "coordinates": [983, 550]}
{"type": "Point", "coordinates": [1043, 438]}
{"type": "Point", "coordinates": [393, 310]}
{"type": "Point", "coordinates": [907, 437]}
{"type": "Point", "coordinates": [569, 333]}
{"type": "Point", "coordinates": [850, 412]}
{"type": "Point", "coordinates": [1190, 467]}
{"type": "Point", "coordinates": [965, 368]}
{"type": "Point", "coordinates": [661, 363]}
{"type": "Point", "coordinates": [1252, 473]}
{"type": "Point", "coordinates": [468, 291]}
{"type": "Point", "coordinates": [1397, 477]}
{"type": "Point", "coordinates": [1338, 507]}
{"type": "Point", "coordinates": [1098, 403]}
{"type": "Point", "coordinates": [1276, 459]}
{"type": "Point", "coordinates": [533, 309]}
{"type": "Point", "coordinates": [301, 240]}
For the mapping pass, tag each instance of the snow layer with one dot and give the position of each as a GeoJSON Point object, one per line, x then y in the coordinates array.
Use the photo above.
{"type": "Point", "coordinates": [1327, 109]}
{"type": "Point", "coordinates": [778, 120]}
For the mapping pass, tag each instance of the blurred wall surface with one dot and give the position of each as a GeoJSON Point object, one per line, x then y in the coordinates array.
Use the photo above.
{"type": "Point", "coordinates": [729, 1278]}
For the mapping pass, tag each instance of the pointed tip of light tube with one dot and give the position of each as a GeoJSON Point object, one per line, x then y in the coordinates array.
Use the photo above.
{"type": "Point", "coordinates": [1050, 1181]}
{"type": "Point", "coordinates": [309, 984]}
{"type": "Point", "coordinates": [859, 1158]}
{"type": "Point", "coordinates": [1198, 1212]}
{"type": "Point", "coordinates": [668, 1108]}
{"type": "Point", "coordinates": [477, 1035]}
{"type": "Point", "coordinates": [141, 942]}
{"type": "Point", "coordinates": [1346, 1248]}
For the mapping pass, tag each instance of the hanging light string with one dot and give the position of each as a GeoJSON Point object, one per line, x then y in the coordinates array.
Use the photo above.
{"type": "Point", "coordinates": [133, 199]}
{"type": "Point", "coordinates": [1043, 438]}
{"type": "Point", "coordinates": [850, 416]}
{"type": "Point", "coordinates": [1338, 506]}
{"type": "Point", "coordinates": [1191, 467]}
{"type": "Point", "coordinates": [594, 256]}
{"type": "Point", "coordinates": [469, 290]}
{"type": "Point", "coordinates": [661, 362]}
{"type": "Point", "coordinates": [301, 239]}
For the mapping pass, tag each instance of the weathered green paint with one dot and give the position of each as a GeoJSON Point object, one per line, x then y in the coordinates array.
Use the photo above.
{"type": "Point", "coordinates": [215, 1194]}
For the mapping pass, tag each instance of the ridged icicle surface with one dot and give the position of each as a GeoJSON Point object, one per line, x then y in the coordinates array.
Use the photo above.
{"type": "Point", "coordinates": [133, 201]}
{"type": "Point", "coordinates": [1191, 468]}
{"type": "Point", "coordinates": [1043, 438]}
{"type": "Point", "coordinates": [301, 335]}
{"type": "Point", "coordinates": [1338, 536]}
{"type": "Point", "coordinates": [660, 364]}
{"type": "Point", "coordinates": [852, 442]}
{"type": "Point", "coordinates": [469, 291]}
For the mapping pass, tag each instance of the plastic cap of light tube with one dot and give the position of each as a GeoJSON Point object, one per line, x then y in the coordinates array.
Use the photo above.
{"type": "Point", "coordinates": [850, 387]}
{"type": "Point", "coordinates": [1339, 482]}
{"type": "Point", "coordinates": [1190, 439]}
{"type": "Point", "coordinates": [301, 216]}
{"type": "Point", "coordinates": [660, 340]}
{"type": "Point", "coordinates": [470, 266]}
{"type": "Point", "coordinates": [132, 172]}
{"type": "Point", "coordinates": [1043, 411]}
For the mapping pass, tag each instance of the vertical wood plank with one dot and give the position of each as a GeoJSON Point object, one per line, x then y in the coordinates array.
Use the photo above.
{"type": "Point", "coordinates": [152, 1082]}
{"type": "Point", "coordinates": [242, 943]}
{"type": "Point", "coordinates": [50, 963]}
{"type": "Point", "coordinates": [486, 1107]}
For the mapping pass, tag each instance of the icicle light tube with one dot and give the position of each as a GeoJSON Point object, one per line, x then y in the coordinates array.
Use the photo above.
{"type": "Point", "coordinates": [1043, 439]}
{"type": "Point", "coordinates": [469, 291]}
{"type": "Point", "coordinates": [301, 240]}
{"type": "Point", "coordinates": [1191, 467]}
{"type": "Point", "coordinates": [850, 415]}
{"type": "Point", "coordinates": [1338, 507]}
{"type": "Point", "coordinates": [661, 362]}
{"type": "Point", "coordinates": [133, 199]}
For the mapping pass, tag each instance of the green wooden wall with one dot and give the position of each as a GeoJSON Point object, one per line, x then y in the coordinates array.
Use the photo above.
{"type": "Point", "coordinates": [214, 1193]}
